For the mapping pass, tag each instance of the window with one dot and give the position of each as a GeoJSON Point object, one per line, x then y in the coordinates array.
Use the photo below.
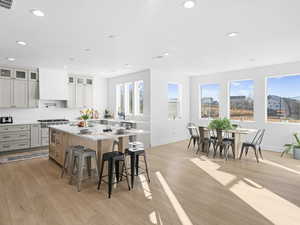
{"type": "Point", "coordinates": [130, 98]}
{"type": "Point", "coordinates": [283, 99]}
{"type": "Point", "coordinates": [139, 97]}
{"type": "Point", "coordinates": [209, 101]}
{"type": "Point", "coordinates": [129, 93]}
{"type": "Point", "coordinates": [174, 101]}
{"type": "Point", "coordinates": [241, 100]}
{"type": "Point", "coordinates": [120, 94]}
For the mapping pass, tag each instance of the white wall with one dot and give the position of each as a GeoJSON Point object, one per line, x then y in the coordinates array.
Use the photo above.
{"type": "Point", "coordinates": [100, 94]}
{"type": "Point", "coordinates": [276, 134]}
{"type": "Point", "coordinates": [163, 130]}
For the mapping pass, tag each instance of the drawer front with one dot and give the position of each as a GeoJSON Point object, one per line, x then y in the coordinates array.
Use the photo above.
{"type": "Point", "coordinates": [13, 128]}
{"type": "Point", "coordinates": [6, 146]}
{"type": "Point", "coordinates": [21, 144]}
{"type": "Point", "coordinates": [14, 136]}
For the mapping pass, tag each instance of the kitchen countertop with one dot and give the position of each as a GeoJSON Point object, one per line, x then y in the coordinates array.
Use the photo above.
{"type": "Point", "coordinates": [97, 132]}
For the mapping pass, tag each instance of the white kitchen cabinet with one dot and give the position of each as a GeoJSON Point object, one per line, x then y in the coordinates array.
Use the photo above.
{"type": "Point", "coordinates": [35, 138]}
{"type": "Point", "coordinates": [6, 73]}
{"type": "Point", "coordinates": [33, 94]}
{"type": "Point", "coordinates": [20, 93]}
{"type": "Point", "coordinates": [5, 93]}
{"type": "Point", "coordinates": [72, 92]}
{"type": "Point", "coordinates": [80, 96]}
{"type": "Point", "coordinates": [88, 96]}
{"type": "Point", "coordinates": [53, 84]}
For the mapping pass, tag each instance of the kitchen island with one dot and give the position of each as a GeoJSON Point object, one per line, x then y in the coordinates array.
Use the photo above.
{"type": "Point", "coordinates": [61, 137]}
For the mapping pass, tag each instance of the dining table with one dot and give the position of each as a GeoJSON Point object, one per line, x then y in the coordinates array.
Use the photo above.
{"type": "Point", "coordinates": [238, 134]}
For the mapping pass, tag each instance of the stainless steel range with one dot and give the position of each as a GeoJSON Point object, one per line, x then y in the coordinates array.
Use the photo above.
{"type": "Point", "coordinates": [45, 128]}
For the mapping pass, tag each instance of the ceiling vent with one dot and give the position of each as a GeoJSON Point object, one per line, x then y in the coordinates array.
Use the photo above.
{"type": "Point", "coordinates": [6, 3]}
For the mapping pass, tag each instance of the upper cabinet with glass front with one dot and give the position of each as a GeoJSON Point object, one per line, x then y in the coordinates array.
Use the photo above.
{"type": "Point", "coordinates": [21, 74]}
{"type": "Point", "coordinates": [33, 75]}
{"type": "Point", "coordinates": [6, 73]}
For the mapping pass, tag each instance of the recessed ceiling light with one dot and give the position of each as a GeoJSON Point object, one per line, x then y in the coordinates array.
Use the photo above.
{"type": "Point", "coordinates": [23, 43]}
{"type": "Point", "coordinates": [71, 59]}
{"type": "Point", "coordinates": [11, 59]}
{"type": "Point", "coordinates": [37, 12]}
{"type": "Point", "coordinates": [232, 34]}
{"type": "Point", "coordinates": [87, 49]}
{"type": "Point", "coordinates": [189, 4]}
{"type": "Point", "coordinates": [127, 65]}
{"type": "Point", "coordinates": [166, 53]}
{"type": "Point", "coordinates": [112, 36]}
{"type": "Point", "coordinates": [251, 60]}
{"type": "Point", "coordinates": [158, 57]}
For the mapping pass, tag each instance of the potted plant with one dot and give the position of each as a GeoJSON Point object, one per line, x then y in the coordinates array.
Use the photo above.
{"type": "Point", "coordinates": [295, 147]}
{"type": "Point", "coordinates": [219, 125]}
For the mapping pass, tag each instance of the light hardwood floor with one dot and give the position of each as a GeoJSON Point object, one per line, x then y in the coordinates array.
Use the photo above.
{"type": "Point", "coordinates": [185, 189]}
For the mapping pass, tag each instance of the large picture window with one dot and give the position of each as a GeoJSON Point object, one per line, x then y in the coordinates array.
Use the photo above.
{"type": "Point", "coordinates": [174, 101]}
{"type": "Point", "coordinates": [283, 99]}
{"type": "Point", "coordinates": [241, 100]}
{"type": "Point", "coordinates": [209, 101]}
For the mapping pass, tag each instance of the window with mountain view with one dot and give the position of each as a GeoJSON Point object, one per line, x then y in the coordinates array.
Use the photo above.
{"type": "Point", "coordinates": [283, 99]}
{"type": "Point", "coordinates": [174, 101]}
{"type": "Point", "coordinates": [241, 100]}
{"type": "Point", "coordinates": [209, 100]}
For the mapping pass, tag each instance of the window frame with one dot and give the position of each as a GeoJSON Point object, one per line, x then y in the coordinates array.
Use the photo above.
{"type": "Point", "coordinates": [179, 117]}
{"type": "Point", "coordinates": [200, 101]}
{"type": "Point", "coordinates": [228, 100]}
{"type": "Point", "coordinates": [266, 100]}
{"type": "Point", "coordinates": [118, 97]}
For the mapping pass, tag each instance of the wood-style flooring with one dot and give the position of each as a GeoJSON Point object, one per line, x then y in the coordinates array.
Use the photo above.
{"type": "Point", "coordinates": [185, 189]}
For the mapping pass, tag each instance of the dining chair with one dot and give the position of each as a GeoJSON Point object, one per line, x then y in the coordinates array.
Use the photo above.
{"type": "Point", "coordinates": [223, 141]}
{"type": "Point", "coordinates": [203, 142]}
{"type": "Point", "coordinates": [194, 136]}
{"type": "Point", "coordinates": [255, 144]}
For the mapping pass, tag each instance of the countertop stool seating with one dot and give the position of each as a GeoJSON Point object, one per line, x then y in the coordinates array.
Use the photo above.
{"type": "Point", "coordinates": [113, 159]}
{"type": "Point", "coordinates": [67, 166]}
{"type": "Point", "coordinates": [82, 158]}
{"type": "Point", "coordinates": [135, 150]}
{"type": "Point", "coordinates": [254, 144]}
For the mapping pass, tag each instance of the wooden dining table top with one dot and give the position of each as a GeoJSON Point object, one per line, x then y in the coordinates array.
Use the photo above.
{"type": "Point", "coordinates": [238, 130]}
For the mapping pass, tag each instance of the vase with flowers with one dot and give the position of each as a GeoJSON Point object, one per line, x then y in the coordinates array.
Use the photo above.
{"type": "Point", "coordinates": [85, 115]}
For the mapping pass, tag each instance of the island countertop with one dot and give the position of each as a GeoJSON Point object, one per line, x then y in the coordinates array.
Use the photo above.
{"type": "Point", "coordinates": [96, 132]}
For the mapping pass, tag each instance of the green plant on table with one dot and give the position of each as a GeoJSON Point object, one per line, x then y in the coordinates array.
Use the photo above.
{"type": "Point", "coordinates": [291, 147]}
{"type": "Point", "coordinates": [220, 124]}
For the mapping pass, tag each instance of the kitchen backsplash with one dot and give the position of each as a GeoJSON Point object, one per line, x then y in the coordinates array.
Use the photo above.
{"type": "Point", "coordinates": [27, 115]}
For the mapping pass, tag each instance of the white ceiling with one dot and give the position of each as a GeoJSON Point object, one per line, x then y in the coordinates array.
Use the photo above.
{"type": "Point", "coordinates": [195, 38]}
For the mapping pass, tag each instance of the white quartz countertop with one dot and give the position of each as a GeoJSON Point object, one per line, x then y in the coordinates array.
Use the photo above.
{"type": "Point", "coordinates": [96, 132]}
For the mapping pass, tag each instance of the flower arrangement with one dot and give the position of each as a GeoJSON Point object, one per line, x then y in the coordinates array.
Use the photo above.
{"type": "Point", "coordinates": [86, 114]}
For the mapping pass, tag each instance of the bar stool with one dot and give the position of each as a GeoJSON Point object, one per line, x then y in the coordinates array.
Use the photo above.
{"type": "Point", "coordinates": [113, 158]}
{"type": "Point", "coordinates": [83, 158]}
{"type": "Point", "coordinates": [135, 150]}
{"type": "Point", "coordinates": [68, 159]}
